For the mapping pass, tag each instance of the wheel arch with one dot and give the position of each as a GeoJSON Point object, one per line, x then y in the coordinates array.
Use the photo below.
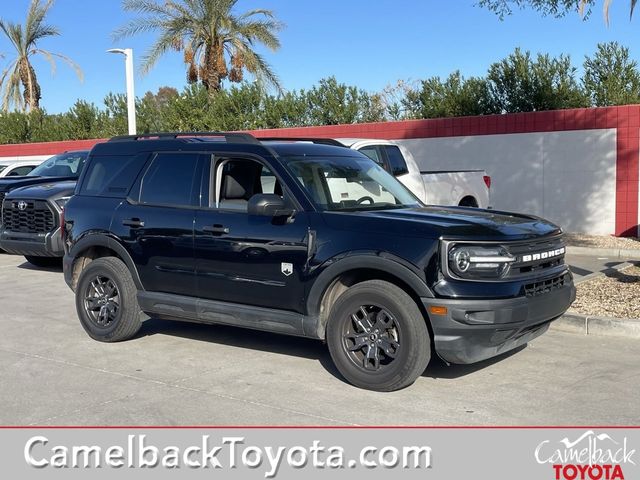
{"type": "Point", "coordinates": [468, 201]}
{"type": "Point", "coordinates": [351, 270]}
{"type": "Point", "coordinates": [99, 245]}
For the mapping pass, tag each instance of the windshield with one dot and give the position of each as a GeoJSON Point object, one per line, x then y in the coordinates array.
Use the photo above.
{"type": "Point", "coordinates": [349, 183]}
{"type": "Point", "coordinates": [63, 165]}
{"type": "Point", "coordinates": [2, 167]}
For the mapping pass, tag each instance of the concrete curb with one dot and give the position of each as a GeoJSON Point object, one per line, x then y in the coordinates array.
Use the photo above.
{"type": "Point", "coordinates": [629, 254]}
{"type": "Point", "coordinates": [591, 325]}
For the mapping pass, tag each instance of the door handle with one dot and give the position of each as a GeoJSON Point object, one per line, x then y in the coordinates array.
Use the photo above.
{"type": "Point", "coordinates": [216, 229]}
{"type": "Point", "coordinates": [133, 223]}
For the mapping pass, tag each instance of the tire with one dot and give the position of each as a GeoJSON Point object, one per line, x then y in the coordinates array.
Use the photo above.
{"type": "Point", "coordinates": [401, 331]}
{"type": "Point", "coordinates": [106, 301]}
{"type": "Point", "coordinates": [44, 262]}
{"type": "Point", "coordinates": [468, 202]}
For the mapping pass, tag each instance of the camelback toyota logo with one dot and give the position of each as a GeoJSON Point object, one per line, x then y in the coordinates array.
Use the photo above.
{"type": "Point", "coordinates": [589, 457]}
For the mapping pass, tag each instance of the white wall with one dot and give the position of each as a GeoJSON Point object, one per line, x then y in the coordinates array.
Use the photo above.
{"type": "Point", "coordinates": [567, 177]}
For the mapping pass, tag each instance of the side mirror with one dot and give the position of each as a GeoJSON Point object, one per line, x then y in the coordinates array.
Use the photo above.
{"type": "Point", "coordinates": [269, 205]}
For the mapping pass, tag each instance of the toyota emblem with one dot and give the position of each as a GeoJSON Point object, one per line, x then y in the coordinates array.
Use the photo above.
{"type": "Point", "coordinates": [22, 205]}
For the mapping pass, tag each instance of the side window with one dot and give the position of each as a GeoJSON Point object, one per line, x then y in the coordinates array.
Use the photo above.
{"type": "Point", "coordinates": [237, 180]}
{"type": "Point", "coordinates": [111, 176]}
{"type": "Point", "coordinates": [397, 163]}
{"type": "Point", "coordinates": [269, 182]}
{"type": "Point", "coordinates": [170, 180]}
{"type": "Point", "coordinates": [20, 171]}
{"type": "Point", "coordinates": [373, 153]}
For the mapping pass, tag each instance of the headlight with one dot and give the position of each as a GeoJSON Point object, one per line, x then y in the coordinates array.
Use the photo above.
{"type": "Point", "coordinates": [61, 202]}
{"type": "Point", "coordinates": [476, 262]}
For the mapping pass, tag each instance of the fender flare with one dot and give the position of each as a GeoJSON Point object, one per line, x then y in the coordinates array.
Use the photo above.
{"type": "Point", "coordinates": [373, 261]}
{"type": "Point", "coordinates": [103, 239]}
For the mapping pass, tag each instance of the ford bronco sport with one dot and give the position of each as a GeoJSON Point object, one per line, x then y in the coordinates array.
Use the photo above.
{"type": "Point", "coordinates": [304, 239]}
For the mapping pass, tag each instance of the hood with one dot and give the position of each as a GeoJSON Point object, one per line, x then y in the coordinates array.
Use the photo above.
{"type": "Point", "coordinates": [451, 223]}
{"type": "Point", "coordinates": [7, 184]}
{"type": "Point", "coordinates": [44, 191]}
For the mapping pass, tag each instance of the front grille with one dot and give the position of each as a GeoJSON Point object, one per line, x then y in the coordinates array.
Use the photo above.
{"type": "Point", "coordinates": [545, 286]}
{"type": "Point", "coordinates": [35, 217]}
{"type": "Point", "coordinates": [535, 258]}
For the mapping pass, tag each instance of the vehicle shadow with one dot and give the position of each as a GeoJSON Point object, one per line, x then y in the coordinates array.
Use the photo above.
{"type": "Point", "coordinates": [291, 346]}
{"type": "Point", "coordinates": [29, 266]}
{"type": "Point", "coordinates": [621, 276]}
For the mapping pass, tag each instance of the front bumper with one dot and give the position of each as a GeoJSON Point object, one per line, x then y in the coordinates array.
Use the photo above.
{"type": "Point", "coordinates": [32, 244]}
{"type": "Point", "coordinates": [475, 330]}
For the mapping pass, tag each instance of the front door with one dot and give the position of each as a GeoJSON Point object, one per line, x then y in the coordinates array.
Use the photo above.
{"type": "Point", "coordinates": [248, 259]}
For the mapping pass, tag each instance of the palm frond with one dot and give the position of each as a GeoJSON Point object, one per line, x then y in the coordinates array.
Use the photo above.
{"type": "Point", "coordinates": [258, 67]}
{"type": "Point", "coordinates": [13, 32]}
{"type": "Point", "coordinates": [10, 81]}
{"type": "Point", "coordinates": [34, 28]}
{"type": "Point", "coordinates": [49, 56]}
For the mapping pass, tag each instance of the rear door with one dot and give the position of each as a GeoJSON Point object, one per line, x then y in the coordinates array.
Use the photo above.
{"type": "Point", "coordinates": [156, 222]}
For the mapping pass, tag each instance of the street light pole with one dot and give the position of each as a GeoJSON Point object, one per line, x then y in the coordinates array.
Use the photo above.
{"type": "Point", "coordinates": [131, 98]}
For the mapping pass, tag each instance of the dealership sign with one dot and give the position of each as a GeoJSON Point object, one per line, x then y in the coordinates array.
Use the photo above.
{"type": "Point", "coordinates": [590, 456]}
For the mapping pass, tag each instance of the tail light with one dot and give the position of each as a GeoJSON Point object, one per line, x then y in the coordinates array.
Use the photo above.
{"type": "Point", "coordinates": [487, 180]}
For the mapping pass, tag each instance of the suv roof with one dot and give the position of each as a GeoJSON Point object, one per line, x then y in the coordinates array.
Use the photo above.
{"type": "Point", "coordinates": [228, 142]}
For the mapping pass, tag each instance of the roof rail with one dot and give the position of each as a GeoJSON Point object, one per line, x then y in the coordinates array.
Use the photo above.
{"type": "Point", "coordinates": [321, 141]}
{"type": "Point", "coordinates": [230, 137]}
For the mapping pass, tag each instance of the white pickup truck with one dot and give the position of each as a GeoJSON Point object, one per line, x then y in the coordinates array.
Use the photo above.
{"type": "Point", "coordinates": [468, 188]}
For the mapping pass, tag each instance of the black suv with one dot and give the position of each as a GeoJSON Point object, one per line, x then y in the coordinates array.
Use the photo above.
{"type": "Point", "coordinates": [309, 240]}
{"type": "Point", "coordinates": [32, 207]}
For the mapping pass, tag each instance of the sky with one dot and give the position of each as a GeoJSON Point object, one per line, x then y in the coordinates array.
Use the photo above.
{"type": "Point", "coordinates": [367, 43]}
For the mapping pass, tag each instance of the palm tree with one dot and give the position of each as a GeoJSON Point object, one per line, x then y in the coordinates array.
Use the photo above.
{"type": "Point", "coordinates": [20, 72]}
{"type": "Point", "coordinates": [216, 42]}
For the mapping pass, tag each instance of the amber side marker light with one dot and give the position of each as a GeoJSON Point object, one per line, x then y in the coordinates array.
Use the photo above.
{"type": "Point", "coordinates": [438, 310]}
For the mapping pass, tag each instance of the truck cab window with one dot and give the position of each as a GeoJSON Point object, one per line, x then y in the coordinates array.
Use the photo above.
{"type": "Point", "coordinates": [374, 154]}
{"type": "Point", "coordinates": [397, 163]}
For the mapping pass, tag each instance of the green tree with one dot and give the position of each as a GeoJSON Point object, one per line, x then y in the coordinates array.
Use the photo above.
{"type": "Point", "coordinates": [216, 42]}
{"type": "Point", "coordinates": [152, 109]}
{"type": "Point", "coordinates": [25, 40]}
{"type": "Point", "coordinates": [287, 110]}
{"type": "Point", "coordinates": [611, 77]}
{"type": "Point", "coordinates": [333, 103]}
{"type": "Point", "coordinates": [519, 83]}
{"type": "Point", "coordinates": [455, 96]}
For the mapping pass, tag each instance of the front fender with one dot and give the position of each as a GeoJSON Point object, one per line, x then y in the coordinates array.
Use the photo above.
{"type": "Point", "coordinates": [381, 261]}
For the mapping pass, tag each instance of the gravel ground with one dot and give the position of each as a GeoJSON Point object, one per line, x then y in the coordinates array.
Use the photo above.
{"type": "Point", "coordinates": [616, 295]}
{"type": "Point", "coordinates": [602, 241]}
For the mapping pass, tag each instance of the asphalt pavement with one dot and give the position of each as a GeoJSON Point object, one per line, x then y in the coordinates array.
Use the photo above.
{"type": "Point", "coordinates": [173, 373]}
{"type": "Point", "coordinates": [584, 266]}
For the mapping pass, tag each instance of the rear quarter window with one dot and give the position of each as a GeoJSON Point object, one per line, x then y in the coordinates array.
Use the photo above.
{"type": "Point", "coordinates": [111, 175]}
{"type": "Point", "coordinates": [171, 179]}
